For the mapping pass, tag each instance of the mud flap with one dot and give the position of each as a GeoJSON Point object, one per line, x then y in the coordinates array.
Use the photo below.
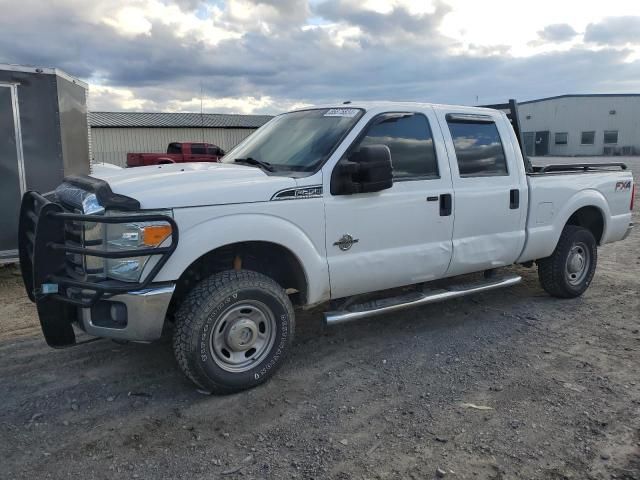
{"type": "Point", "coordinates": [56, 321]}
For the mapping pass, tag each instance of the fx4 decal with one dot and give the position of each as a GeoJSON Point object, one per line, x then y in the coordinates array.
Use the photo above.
{"type": "Point", "coordinates": [623, 185]}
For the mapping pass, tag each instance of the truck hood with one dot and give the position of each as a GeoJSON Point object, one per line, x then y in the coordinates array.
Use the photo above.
{"type": "Point", "coordinates": [194, 184]}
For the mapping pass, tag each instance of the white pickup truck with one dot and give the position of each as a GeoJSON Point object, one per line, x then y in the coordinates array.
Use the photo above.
{"type": "Point", "coordinates": [358, 206]}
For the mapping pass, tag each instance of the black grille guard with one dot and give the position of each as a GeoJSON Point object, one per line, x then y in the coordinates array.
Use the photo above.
{"type": "Point", "coordinates": [42, 252]}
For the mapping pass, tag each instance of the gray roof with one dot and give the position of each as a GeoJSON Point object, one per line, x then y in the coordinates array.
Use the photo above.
{"type": "Point", "coordinates": [175, 120]}
{"type": "Point", "coordinates": [574, 95]}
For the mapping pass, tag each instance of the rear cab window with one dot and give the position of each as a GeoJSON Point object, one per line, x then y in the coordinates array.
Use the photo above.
{"type": "Point", "coordinates": [213, 150]}
{"type": "Point", "coordinates": [410, 140]}
{"type": "Point", "coordinates": [478, 146]}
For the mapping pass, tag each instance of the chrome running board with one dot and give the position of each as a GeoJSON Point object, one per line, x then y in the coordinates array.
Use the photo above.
{"type": "Point", "coordinates": [416, 299]}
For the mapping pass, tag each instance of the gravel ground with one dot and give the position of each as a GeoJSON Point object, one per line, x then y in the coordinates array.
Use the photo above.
{"type": "Point", "coordinates": [507, 384]}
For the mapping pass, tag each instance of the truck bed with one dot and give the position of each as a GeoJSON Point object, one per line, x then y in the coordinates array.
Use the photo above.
{"type": "Point", "coordinates": [557, 190]}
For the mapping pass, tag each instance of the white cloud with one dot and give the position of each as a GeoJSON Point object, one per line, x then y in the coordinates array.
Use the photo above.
{"type": "Point", "coordinates": [208, 26]}
{"type": "Point", "coordinates": [266, 56]}
{"type": "Point", "coordinates": [340, 35]}
{"type": "Point", "coordinates": [103, 98]}
{"type": "Point", "coordinates": [516, 24]}
{"type": "Point", "coordinates": [235, 104]}
{"type": "Point", "coordinates": [130, 21]}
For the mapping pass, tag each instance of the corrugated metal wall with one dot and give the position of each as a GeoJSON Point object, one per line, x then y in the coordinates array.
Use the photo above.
{"type": "Point", "coordinates": [111, 145]}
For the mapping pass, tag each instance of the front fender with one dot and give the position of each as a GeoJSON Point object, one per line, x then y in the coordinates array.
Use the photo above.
{"type": "Point", "coordinates": [199, 238]}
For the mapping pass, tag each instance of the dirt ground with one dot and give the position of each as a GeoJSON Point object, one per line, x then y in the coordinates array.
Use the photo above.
{"type": "Point", "coordinates": [507, 384]}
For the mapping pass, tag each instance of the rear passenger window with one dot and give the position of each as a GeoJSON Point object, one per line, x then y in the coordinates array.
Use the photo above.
{"type": "Point", "coordinates": [409, 139]}
{"type": "Point", "coordinates": [198, 149]}
{"type": "Point", "coordinates": [478, 148]}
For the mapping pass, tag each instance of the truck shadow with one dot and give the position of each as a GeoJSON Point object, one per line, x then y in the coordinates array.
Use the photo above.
{"type": "Point", "coordinates": [138, 373]}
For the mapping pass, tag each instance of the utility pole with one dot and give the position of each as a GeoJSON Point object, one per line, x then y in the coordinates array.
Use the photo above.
{"type": "Point", "coordinates": [202, 110]}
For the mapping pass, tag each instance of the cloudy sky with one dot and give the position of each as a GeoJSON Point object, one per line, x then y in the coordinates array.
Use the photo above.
{"type": "Point", "coordinates": [266, 56]}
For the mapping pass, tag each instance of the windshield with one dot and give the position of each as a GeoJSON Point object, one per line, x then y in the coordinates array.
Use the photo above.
{"type": "Point", "coordinates": [296, 141]}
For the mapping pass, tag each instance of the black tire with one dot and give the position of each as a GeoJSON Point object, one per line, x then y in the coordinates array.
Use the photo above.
{"type": "Point", "coordinates": [225, 301]}
{"type": "Point", "coordinates": [558, 275]}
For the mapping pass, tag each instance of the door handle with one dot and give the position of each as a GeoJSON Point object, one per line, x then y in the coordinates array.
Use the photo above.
{"type": "Point", "coordinates": [514, 199]}
{"type": "Point", "coordinates": [445, 204]}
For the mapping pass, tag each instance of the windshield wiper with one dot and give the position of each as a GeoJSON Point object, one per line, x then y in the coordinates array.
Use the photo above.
{"type": "Point", "coordinates": [258, 163]}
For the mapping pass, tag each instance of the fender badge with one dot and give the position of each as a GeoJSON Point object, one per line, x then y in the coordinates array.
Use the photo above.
{"type": "Point", "coordinates": [623, 185]}
{"type": "Point", "coordinates": [345, 242]}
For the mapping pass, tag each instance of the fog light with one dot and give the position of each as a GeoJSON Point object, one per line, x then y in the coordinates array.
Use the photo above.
{"type": "Point", "coordinates": [118, 313]}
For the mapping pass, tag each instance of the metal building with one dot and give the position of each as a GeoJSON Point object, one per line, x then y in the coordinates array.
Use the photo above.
{"type": "Point", "coordinates": [114, 134]}
{"type": "Point", "coordinates": [577, 125]}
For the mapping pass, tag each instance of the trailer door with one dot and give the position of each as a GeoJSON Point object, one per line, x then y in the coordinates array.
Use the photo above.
{"type": "Point", "coordinates": [12, 177]}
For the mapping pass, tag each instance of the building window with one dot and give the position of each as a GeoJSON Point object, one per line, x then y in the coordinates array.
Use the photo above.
{"type": "Point", "coordinates": [478, 149]}
{"type": "Point", "coordinates": [611, 137]}
{"type": "Point", "coordinates": [561, 138]}
{"type": "Point", "coordinates": [409, 139]}
{"type": "Point", "coordinates": [588, 138]}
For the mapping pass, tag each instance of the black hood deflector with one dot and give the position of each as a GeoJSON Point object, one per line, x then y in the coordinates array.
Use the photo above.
{"type": "Point", "coordinates": [103, 193]}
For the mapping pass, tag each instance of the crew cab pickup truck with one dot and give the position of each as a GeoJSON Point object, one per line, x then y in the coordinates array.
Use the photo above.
{"type": "Point", "coordinates": [177, 153]}
{"type": "Point", "coordinates": [360, 209]}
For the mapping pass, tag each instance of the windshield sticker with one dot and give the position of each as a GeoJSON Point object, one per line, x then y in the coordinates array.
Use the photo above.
{"type": "Point", "coordinates": [342, 112]}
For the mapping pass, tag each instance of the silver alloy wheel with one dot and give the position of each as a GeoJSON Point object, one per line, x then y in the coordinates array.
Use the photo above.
{"type": "Point", "coordinates": [578, 263]}
{"type": "Point", "coordinates": [242, 336]}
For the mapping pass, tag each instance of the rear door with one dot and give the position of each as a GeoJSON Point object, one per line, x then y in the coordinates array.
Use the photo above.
{"type": "Point", "coordinates": [490, 191]}
{"type": "Point", "coordinates": [11, 169]}
{"type": "Point", "coordinates": [529, 143]}
{"type": "Point", "coordinates": [542, 144]}
{"type": "Point", "coordinates": [401, 235]}
{"type": "Point", "coordinates": [197, 154]}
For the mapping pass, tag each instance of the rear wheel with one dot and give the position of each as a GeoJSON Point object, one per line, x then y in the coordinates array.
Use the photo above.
{"type": "Point", "coordinates": [568, 272]}
{"type": "Point", "coordinates": [233, 331]}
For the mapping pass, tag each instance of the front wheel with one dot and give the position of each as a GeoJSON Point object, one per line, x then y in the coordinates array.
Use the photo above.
{"type": "Point", "coordinates": [233, 331]}
{"type": "Point", "coordinates": [568, 272]}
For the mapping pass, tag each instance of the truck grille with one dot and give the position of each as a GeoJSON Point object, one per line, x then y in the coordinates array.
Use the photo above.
{"type": "Point", "coordinates": [62, 256]}
{"type": "Point", "coordinates": [80, 234]}
{"type": "Point", "coordinates": [83, 235]}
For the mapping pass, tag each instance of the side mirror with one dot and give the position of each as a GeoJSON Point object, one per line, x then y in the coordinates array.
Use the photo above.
{"type": "Point", "coordinates": [369, 169]}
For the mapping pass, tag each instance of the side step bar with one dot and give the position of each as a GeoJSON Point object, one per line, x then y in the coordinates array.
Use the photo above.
{"type": "Point", "coordinates": [416, 299]}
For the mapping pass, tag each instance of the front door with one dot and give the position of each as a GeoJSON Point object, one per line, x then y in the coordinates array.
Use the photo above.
{"type": "Point", "coordinates": [490, 192]}
{"type": "Point", "coordinates": [401, 235]}
{"type": "Point", "coordinates": [542, 144]}
{"type": "Point", "coordinates": [11, 169]}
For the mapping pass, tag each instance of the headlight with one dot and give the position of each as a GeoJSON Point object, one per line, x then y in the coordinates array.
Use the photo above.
{"type": "Point", "coordinates": [125, 236]}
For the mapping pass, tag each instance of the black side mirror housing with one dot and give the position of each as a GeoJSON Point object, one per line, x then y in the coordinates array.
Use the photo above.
{"type": "Point", "coordinates": [369, 169]}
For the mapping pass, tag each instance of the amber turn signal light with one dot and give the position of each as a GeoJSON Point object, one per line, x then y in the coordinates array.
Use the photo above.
{"type": "Point", "coordinates": [154, 235]}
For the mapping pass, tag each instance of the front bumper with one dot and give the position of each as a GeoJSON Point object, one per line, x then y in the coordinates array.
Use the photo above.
{"type": "Point", "coordinates": [104, 308]}
{"type": "Point", "coordinates": [135, 316]}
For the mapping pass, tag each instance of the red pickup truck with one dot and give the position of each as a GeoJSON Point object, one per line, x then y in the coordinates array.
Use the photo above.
{"type": "Point", "coordinates": [178, 152]}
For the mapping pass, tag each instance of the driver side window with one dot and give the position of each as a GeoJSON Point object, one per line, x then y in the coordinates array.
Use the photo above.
{"type": "Point", "coordinates": [410, 141]}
